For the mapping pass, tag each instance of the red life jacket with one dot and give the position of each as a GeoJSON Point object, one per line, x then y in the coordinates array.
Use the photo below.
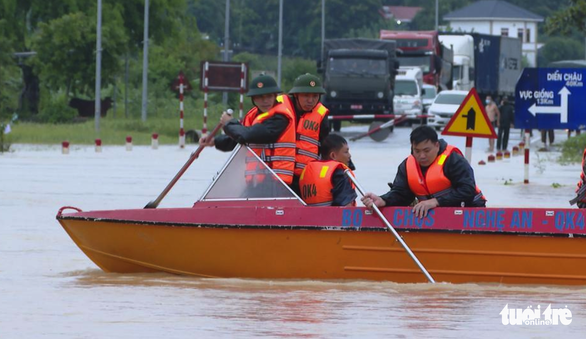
{"type": "Point", "coordinates": [308, 129]}
{"type": "Point", "coordinates": [279, 156]}
{"type": "Point", "coordinates": [315, 182]}
{"type": "Point", "coordinates": [435, 183]}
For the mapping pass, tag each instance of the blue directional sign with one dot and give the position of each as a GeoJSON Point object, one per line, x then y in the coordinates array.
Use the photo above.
{"type": "Point", "coordinates": [551, 98]}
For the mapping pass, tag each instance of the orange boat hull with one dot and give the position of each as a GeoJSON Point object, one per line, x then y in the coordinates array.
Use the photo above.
{"type": "Point", "coordinates": [288, 253]}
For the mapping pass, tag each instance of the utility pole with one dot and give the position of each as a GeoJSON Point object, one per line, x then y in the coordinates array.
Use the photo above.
{"type": "Point", "coordinates": [145, 60]}
{"type": "Point", "coordinates": [323, 27]}
{"type": "Point", "coordinates": [280, 42]}
{"type": "Point", "coordinates": [226, 46]}
{"type": "Point", "coordinates": [98, 94]}
{"type": "Point", "coordinates": [436, 15]}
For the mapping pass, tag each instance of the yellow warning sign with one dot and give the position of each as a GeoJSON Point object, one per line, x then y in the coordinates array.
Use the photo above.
{"type": "Point", "coordinates": [470, 120]}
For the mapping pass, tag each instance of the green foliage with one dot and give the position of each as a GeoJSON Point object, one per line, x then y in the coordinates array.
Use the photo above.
{"type": "Point", "coordinates": [567, 19]}
{"type": "Point", "coordinates": [294, 68]}
{"type": "Point", "coordinates": [55, 109]}
{"type": "Point", "coordinates": [559, 48]}
{"type": "Point", "coordinates": [65, 50]}
{"type": "Point", "coordinates": [254, 24]}
{"type": "Point", "coordinates": [572, 149]}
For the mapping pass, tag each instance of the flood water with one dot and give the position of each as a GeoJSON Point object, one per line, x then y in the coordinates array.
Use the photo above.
{"type": "Point", "coordinates": [50, 289]}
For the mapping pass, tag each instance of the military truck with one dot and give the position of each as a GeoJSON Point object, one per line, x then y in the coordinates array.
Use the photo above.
{"type": "Point", "coordinates": [359, 77]}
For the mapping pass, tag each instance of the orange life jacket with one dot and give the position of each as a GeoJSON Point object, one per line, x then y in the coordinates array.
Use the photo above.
{"type": "Point", "coordinates": [308, 128]}
{"type": "Point", "coordinates": [279, 156]}
{"type": "Point", "coordinates": [435, 183]}
{"type": "Point", "coordinates": [315, 182]}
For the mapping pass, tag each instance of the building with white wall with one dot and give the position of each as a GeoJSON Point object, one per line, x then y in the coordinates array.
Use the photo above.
{"type": "Point", "coordinates": [496, 17]}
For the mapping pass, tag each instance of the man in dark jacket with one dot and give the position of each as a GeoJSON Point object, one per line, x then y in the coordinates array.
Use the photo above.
{"type": "Point", "coordinates": [435, 173]}
{"type": "Point", "coordinates": [263, 98]}
{"type": "Point", "coordinates": [507, 117]}
{"type": "Point", "coordinates": [268, 128]}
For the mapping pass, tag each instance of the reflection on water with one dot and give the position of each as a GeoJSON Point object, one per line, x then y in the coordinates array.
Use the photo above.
{"type": "Point", "coordinates": [331, 309]}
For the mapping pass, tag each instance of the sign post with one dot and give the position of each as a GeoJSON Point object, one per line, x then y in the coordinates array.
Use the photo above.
{"type": "Point", "coordinates": [470, 120]}
{"type": "Point", "coordinates": [182, 85]}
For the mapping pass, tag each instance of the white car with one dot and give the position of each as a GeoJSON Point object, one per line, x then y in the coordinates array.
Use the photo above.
{"type": "Point", "coordinates": [444, 107]}
{"type": "Point", "coordinates": [428, 96]}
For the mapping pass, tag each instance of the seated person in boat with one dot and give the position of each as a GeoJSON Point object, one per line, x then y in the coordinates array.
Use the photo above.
{"type": "Point", "coordinates": [268, 128]}
{"type": "Point", "coordinates": [435, 173]}
{"type": "Point", "coordinates": [323, 182]}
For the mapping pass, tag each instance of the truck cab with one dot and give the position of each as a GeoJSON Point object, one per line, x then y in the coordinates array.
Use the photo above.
{"type": "Point", "coordinates": [359, 77]}
{"type": "Point", "coordinates": [408, 93]}
{"type": "Point", "coordinates": [463, 69]}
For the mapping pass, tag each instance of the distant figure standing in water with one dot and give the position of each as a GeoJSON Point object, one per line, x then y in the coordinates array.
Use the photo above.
{"type": "Point", "coordinates": [493, 113]}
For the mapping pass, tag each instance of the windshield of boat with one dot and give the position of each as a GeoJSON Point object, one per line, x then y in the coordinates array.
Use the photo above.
{"type": "Point", "coordinates": [246, 177]}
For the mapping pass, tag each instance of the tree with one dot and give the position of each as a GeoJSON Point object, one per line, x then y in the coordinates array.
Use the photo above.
{"type": "Point", "coordinates": [65, 50]}
{"type": "Point", "coordinates": [559, 48]}
{"type": "Point", "coordinates": [566, 20]}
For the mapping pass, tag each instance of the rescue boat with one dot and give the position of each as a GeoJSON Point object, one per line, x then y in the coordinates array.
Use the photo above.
{"type": "Point", "coordinates": [240, 229]}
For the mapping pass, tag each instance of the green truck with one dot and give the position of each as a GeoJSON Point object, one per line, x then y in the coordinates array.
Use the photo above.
{"type": "Point", "coordinates": [359, 77]}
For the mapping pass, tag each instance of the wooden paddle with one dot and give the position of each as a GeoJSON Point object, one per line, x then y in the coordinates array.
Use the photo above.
{"type": "Point", "coordinates": [392, 229]}
{"type": "Point", "coordinates": [192, 157]}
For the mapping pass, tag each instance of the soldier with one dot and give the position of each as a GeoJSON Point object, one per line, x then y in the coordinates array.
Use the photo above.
{"type": "Point", "coordinates": [268, 128]}
{"type": "Point", "coordinates": [312, 121]}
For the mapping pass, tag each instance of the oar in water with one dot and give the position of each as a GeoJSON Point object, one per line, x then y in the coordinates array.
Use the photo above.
{"type": "Point", "coordinates": [192, 157]}
{"type": "Point", "coordinates": [392, 229]}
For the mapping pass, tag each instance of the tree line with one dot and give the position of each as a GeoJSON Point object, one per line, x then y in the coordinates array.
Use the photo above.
{"type": "Point", "coordinates": [62, 34]}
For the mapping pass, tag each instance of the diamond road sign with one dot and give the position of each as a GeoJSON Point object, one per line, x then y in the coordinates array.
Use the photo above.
{"type": "Point", "coordinates": [551, 98]}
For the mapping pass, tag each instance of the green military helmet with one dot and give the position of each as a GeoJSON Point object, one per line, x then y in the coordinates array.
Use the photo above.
{"type": "Point", "coordinates": [263, 84]}
{"type": "Point", "coordinates": [307, 83]}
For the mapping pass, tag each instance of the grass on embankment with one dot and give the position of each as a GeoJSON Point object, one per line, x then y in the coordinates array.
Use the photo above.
{"type": "Point", "coordinates": [112, 131]}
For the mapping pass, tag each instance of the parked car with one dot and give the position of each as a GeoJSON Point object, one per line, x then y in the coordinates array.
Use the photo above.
{"type": "Point", "coordinates": [428, 96]}
{"type": "Point", "coordinates": [444, 106]}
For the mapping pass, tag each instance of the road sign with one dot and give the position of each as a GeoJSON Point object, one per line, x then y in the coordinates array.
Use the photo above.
{"type": "Point", "coordinates": [470, 120]}
{"type": "Point", "coordinates": [551, 98]}
{"type": "Point", "coordinates": [224, 76]}
{"type": "Point", "coordinates": [181, 78]}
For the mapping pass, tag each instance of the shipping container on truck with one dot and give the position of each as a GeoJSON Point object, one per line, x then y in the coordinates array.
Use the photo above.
{"type": "Point", "coordinates": [490, 63]}
{"type": "Point", "coordinates": [423, 49]}
{"type": "Point", "coordinates": [359, 77]}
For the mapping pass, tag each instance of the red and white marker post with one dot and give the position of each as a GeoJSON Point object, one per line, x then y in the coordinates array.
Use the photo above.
{"type": "Point", "coordinates": [181, 129]}
{"type": "Point", "coordinates": [98, 145]}
{"type": "Point", "coordinates": [204, 130]}
{"type": "Point", "coordinates": [241, 107]}
{"type": "Point", "coordinates": [527, 146]}
{"type": "Point", "coordinates": [468, 149]}
{"type": "Point", "coordinates": [65, 147]}
{"type": "Point", "coordinates": [129, 143]}
{"type": "Point", "coordinates": [155, 141]}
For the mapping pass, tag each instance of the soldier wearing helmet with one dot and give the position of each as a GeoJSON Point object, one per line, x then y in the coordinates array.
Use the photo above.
{"type": "Point", "coordinates": [268, 128]}
{"type": "Point", "coordinates": [312, 121]}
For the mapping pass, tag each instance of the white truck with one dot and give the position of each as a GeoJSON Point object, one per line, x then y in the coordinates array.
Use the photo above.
{"type": "Point", "coordinates": [408, 91]}
{"type": "Point", "coordinates": [489, 63]}
{"type": "Point", "coordinates": [463, 70]}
